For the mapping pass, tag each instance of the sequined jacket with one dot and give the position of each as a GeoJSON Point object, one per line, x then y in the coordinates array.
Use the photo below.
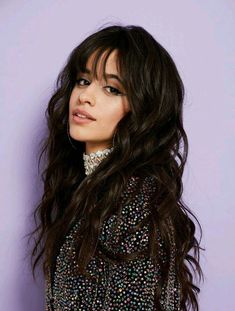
{"type": "Point", "coordinates": [119, 286]}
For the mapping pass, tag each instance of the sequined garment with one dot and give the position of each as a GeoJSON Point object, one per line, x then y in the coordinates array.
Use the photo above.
{"type": "Point", "coordinates": [118, 286]}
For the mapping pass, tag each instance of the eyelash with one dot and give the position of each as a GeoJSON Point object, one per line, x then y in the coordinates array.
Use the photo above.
{"type": "Point", "coordinates": [112, 89]}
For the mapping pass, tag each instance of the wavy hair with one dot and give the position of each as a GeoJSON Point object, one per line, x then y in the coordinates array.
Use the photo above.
{"type": "Point", "coordinates": [149, 141]}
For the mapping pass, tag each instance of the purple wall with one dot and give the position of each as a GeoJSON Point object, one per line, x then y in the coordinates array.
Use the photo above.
{"type": "Point", "coordinates": [36, 38]}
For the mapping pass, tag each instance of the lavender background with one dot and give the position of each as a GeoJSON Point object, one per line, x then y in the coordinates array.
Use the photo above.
{"type": "Point", "coordinates": [36, 39]}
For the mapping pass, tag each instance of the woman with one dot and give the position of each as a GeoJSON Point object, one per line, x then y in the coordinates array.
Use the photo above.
{"type": "Point", "coordinates": [116, 234]}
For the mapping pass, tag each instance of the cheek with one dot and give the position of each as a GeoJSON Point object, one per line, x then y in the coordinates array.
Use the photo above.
{"type": "Point", "coordinates": [113, 116]}
{"type": "Point", "coordinates": [73, 97]}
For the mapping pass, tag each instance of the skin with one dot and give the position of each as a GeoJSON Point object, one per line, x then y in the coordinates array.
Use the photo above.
{"type": "Point", "coordinates": [104, 100]}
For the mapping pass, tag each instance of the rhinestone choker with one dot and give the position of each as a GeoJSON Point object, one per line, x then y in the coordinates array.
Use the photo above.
{"type": "Point", "coordinates": [92, 160]}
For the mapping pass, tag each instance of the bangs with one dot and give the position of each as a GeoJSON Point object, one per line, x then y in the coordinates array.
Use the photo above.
{"type": "Point", "coordinates": [99, 56]}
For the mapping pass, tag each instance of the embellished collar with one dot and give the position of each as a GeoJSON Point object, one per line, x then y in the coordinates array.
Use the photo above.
{"type": "Point", "coordinates": [92, 160]}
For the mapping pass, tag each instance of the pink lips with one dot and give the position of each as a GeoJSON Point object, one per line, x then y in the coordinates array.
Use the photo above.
{"type": "Point", "coordinates": [82, 112]}
{"type": "Point", "coordinates": [80, 120]}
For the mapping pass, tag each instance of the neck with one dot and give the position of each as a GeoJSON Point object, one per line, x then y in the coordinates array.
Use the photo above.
{"type": "Point", "coordinates": [93, 147]}
{"type": "Point", "coordinates": [93, 159]}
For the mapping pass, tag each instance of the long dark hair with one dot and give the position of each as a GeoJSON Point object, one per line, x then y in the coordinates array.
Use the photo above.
{"type": "Point", "coordinates": [150, 141]}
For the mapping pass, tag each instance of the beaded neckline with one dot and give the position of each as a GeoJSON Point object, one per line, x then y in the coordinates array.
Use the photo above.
{"type": "Point", "coordinates": [92, 160]}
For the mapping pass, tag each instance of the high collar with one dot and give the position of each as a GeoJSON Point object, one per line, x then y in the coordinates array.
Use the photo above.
{"type": "Point", "coordinates": [92, 160]}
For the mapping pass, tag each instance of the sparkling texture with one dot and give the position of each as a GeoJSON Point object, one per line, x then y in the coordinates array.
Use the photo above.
{"type": "Point", "coordinates": [117, 286]}
{"type": "Point", "coordinates": [92, 160]}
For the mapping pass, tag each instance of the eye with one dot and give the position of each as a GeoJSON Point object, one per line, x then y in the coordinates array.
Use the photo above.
{"type": "Point", "coordinates": [113, 90]}
{"type": "Point", "coordinates": [82, 82]}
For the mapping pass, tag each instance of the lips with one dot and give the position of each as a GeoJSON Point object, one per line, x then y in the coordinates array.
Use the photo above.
{"type": "Point", "coordinates": [84, 113]}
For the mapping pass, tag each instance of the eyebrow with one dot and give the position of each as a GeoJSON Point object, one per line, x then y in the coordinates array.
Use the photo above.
{"type": "Point", "coordinates": [108, 75]}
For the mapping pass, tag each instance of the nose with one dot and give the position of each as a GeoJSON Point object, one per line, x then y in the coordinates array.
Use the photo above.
{"type": "Point", "coordinates": [87, 95]}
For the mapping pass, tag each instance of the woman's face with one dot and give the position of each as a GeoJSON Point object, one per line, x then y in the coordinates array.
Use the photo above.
{"type": "Point", "coordinates": [104, 101]}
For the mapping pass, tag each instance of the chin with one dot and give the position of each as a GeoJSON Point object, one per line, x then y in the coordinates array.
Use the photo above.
{"type": "Point", "coordinates": [78, 138]}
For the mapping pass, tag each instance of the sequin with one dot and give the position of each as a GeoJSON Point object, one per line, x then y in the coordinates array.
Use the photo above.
{"type": "Point", "coordinates": [119, 286]}
{"type": "Point", "coordinates": [92, 160]}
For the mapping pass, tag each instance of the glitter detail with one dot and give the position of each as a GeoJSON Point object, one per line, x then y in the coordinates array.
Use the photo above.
{"type": "Point", "coordinates": [170, 295]}
{"type": "Point", "coordinates": [92, 160]}
{"type": "Point", "coordinates": [117, 286]}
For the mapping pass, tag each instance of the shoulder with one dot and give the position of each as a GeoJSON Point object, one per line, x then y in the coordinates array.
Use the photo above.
{"type": "Point", "coordinates": [139, 182]}
{"type": "Point", "coordinates": [138, 194]}
{"type": "Point", "coordinates": [119, 232]}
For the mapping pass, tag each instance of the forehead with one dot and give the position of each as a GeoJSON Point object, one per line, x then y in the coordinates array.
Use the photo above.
{"type": "Point", "coordinates": [102, 64]}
